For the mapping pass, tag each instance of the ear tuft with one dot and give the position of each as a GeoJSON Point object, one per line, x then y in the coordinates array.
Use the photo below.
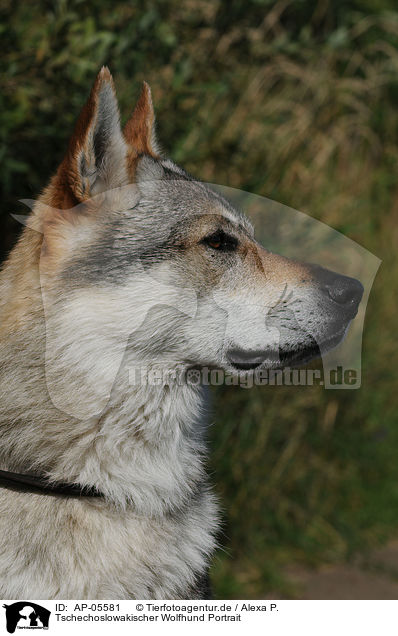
{"type": "Point", "coordinates": [105, 74]}
{"type": "Point", "coordinates": [97, 152]}
{"type": "Point", "coordinates": [139, 131]}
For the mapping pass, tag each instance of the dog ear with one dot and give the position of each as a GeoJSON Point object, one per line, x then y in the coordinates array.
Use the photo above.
{"type": "Point", "coordinates": [96, 157]}
{"type": "Point", "coordinates": [139, 131]}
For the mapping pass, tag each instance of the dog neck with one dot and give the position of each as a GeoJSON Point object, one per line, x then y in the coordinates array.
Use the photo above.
{"type": "Point", "coordinates": [144, 450]}
{"type": "Point", "coordinates": [144, 447]}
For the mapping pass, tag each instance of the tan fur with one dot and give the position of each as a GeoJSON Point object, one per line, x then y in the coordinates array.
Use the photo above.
{"type": "Point", "coordinates": [140, 128]}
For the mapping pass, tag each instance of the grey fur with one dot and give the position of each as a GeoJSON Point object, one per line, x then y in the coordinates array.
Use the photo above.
{"type": "Point", "coordinates": [69, 411]}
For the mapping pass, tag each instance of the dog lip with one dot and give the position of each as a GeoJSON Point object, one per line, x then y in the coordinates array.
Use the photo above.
{"type": "Point", "coordinates": [245, 366]}
{"type": "Point", "coordinates": [247, 360]}
{"type": "Point", "coordinates": [335, 339]}
{"type": "Point", "coordinates": [316, 350]}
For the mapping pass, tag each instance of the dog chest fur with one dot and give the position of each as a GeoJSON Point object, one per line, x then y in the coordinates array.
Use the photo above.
{"type": "Point", "coordinates": [154, 534]}
{"type": "Point", "coordinates": [58, 548]}
{"type": "Point", "coordinates": [151, 538]}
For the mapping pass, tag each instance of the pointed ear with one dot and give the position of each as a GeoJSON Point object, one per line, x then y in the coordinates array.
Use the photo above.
{"type": "Point", "coordinates": [96, 158]}
{"type": "Point", "coordinates": [139, 131]}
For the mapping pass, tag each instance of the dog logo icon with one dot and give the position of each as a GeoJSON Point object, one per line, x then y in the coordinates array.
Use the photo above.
{"type": "Point", "coordinates": [26, 615]}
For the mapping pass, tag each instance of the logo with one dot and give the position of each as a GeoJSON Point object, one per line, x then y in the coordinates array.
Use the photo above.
{"type": "Point", "coordinates": [26, 615]}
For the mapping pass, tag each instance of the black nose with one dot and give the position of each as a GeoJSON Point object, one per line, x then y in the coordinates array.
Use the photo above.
{"type": "Point", "coordinates": [343, 290]}
{"type": "Point", "coordinates": [246, 360]}
{"type": "Point", "coordinates": [346, 291]}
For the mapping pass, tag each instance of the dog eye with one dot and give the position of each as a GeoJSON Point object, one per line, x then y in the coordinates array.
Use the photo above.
{"type": "Point", "coordinates": [221, 241]}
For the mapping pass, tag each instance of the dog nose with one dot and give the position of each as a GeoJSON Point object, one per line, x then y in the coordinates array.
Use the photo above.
{"type": "Point", "coordinates": [245, 360]}
{"type": "Point", "coordinates": [343, 290]}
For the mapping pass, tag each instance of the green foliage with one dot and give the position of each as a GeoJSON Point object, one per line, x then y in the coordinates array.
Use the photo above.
{"type": "Point", "coordinates": [292, 100]}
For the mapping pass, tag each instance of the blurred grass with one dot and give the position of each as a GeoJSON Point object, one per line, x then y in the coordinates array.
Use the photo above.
{"type": "Point", "coordinates": [296, 101]}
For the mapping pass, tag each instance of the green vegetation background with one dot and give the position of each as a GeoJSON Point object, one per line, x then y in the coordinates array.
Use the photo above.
{"type": "Point", "coordinates": [296, 101]}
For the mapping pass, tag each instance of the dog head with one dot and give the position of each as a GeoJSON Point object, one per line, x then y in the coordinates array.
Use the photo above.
{"type": "Point", "coordinates": [127, 234]}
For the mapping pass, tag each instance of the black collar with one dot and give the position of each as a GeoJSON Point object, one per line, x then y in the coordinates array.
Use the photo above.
{"type": "Point", "coordinates": [32, 483]}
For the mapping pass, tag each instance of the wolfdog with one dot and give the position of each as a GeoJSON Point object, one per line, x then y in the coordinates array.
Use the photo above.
{"type": "Point", "coordinates": [103, 488]}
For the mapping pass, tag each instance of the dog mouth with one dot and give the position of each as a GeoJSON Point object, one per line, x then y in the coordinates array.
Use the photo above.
{"type": "Point", "coordinates": [245, 366]}
{"type": "Point", "coordinates": [245, 361]}
{"type": "Point", "coordinates": [312, 350]}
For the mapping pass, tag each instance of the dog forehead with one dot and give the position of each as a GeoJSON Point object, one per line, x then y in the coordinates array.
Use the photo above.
{"type": "Point", "coordinates": [221, 208]}
{"type": "Point", "coordinates": [174, 190]}
{"type": "Point", "coordinates": [213, 205]}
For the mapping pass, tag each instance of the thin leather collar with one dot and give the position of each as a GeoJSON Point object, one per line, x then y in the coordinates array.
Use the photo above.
{"type": "Point", "coordinates": [32, 483]}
